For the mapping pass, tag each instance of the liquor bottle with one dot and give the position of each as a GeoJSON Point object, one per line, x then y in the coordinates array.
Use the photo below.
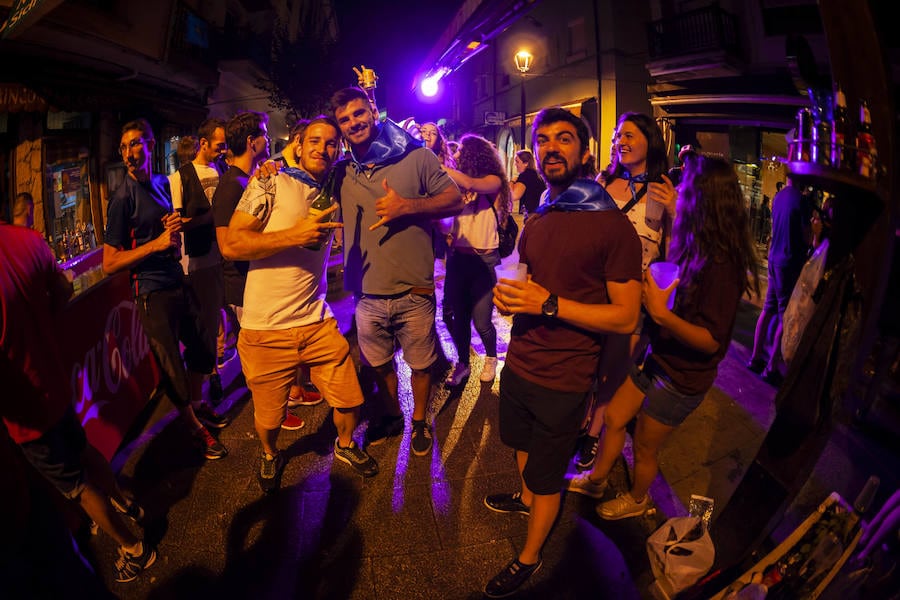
{"type": "Point", "coordinates": [866, 153]}
{"type": "Point", "coordinates": [841, 156]}
{"type": "Point", "coordinates": [322, 202]}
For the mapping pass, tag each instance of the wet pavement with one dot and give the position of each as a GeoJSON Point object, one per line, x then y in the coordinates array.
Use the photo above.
{"type": "Point", "coordinates": [419, 529]}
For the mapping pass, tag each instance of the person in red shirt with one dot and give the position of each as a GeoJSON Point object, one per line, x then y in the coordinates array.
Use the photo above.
{"type": "Point", "coordinates": [36, 405]}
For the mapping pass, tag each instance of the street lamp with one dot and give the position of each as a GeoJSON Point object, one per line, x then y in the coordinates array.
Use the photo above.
{"type": "Point", "coordinates": [523, 64]}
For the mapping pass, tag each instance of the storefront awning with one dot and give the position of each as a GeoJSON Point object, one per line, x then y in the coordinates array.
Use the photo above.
{"type": "Point", "coordinates": [24, 14]}
{"type": "Point", "coordinates": [15, 97]}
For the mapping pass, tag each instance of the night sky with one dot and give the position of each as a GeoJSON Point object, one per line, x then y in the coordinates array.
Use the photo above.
{"type": "Point", "coordinates": [393, 37]}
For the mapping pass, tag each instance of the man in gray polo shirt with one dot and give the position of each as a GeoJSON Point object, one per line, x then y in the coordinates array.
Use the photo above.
{"type": "Point", "coordinates": [390, 190]}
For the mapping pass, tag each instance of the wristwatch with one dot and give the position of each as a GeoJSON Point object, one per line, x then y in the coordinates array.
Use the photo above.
{"type": "Point", "coordinates": [550, 306]}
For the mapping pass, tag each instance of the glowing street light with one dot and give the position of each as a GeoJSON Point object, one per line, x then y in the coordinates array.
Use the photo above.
{"type": "Point", "coordinates": [523, 60]}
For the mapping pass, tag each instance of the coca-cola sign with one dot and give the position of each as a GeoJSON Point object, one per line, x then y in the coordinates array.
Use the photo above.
{"type": "Point", "coordinates": [111, 367]}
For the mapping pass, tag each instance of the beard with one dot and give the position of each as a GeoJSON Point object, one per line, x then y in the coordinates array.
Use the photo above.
{"type": "Point", "coordinates": [561, 176]}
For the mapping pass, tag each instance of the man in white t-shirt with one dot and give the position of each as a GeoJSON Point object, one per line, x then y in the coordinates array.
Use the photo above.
{"type": "Point", "coordinates": [192, 187]}
{"type": "Point", "coordinates": [286, 321]}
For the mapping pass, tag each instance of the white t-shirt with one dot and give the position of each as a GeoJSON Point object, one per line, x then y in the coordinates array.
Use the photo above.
{"type": "Point", "coordinates": [649, 232]}
{"type": "Point", "coordinates": [286, 289]}
{"type": "Point", "coordinates": [209, 179]}
{"type": "Point", "coordinates": [476, 225]}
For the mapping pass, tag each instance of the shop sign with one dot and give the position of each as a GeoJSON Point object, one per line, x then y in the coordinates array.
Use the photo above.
{"type": "Point", "coordinates": [15, 98]}
{"type": "Point", "coordinates": [25, 13]}
{"type": "Point", "coordinates": [494, 117]}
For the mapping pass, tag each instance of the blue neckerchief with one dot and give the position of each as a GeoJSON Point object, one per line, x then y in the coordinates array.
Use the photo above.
{"type": "Point", "coordinates": [301, 175]}
{"type": "Point", "coordinates": [583, 194]}
{"type": "Point", "coordinates": [391, 143]}
{"type": "Point", "coordinates": [642, 178]}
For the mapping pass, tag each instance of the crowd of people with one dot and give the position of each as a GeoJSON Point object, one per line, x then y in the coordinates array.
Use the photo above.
{"type": "Point", "coordinates": [229, 242]}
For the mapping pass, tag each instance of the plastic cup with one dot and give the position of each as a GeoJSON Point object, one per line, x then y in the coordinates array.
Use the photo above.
{"type": "Point", "coordinates": [664, 273]}
{"type": "Point", "coordinates": [654, 210]}
{"type": "Point", "coordinates": [514, 271]}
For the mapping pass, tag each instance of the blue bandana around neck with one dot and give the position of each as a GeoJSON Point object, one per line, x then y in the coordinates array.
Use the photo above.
{"type": "Point", "coordinates": [642, 178]}
{"type": "Point", "coordinates": [583, 194]}
{"type": "Point", "coordinates": [301, 175]}
{"type": "Point", "coordinates": [391, 143]}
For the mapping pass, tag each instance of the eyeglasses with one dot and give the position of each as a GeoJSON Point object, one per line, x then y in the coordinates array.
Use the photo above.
{"type": "Point", "coordinates": [132, 144]}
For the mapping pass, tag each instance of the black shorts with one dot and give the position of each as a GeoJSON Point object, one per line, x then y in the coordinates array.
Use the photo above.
{"type": "Point", "coordinates": [544, 423]}
{"type": "Point", "coordinates": [57, 455]}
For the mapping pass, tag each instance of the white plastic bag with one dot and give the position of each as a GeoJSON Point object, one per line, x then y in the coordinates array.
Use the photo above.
{"type": "Point", "coordinates": [681, 552]}
{"type": "Point", "coordinates": [802, 305]}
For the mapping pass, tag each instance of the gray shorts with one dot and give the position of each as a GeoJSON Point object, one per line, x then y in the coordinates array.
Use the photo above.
{"type": "Point", "coordinates": [57, 455]}
{"type": "Point", "coordinates": [662, 401]}
{"type": "Point", "coordinates": [407, 320]}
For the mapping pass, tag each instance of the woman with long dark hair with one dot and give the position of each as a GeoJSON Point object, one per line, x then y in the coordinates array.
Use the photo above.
{"type": "Point", "coordinates": [712, 245]}
{"type": "Point", "coordinates": [636, 180]}
{"type": "Point", "coordinates": [468, 289]}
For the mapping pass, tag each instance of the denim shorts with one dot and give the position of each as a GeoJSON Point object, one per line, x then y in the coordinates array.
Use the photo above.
{"type": "Point", "coordinates": [384, 322]}
{"type": "Point", "coordinates": [662, 401]}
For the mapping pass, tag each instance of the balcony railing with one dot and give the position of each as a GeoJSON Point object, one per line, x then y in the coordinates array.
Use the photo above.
{"type": "Point", "coordinates": [702, 30]}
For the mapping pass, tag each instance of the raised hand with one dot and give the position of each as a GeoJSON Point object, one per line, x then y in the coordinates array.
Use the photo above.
{"type": "Point", "coordinates": [389, 207]}
{"type": "Point", "coordinates": [311, 231]}
{"type": "Point", "coordinates": [664, 193]}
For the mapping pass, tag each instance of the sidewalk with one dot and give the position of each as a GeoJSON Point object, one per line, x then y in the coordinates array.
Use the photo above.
{"type": "Point", "coordinates": [418, 529]}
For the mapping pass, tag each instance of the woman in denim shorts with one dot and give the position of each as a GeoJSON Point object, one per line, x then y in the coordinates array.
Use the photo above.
{"type": "Point", "coordinates": [712, 246]}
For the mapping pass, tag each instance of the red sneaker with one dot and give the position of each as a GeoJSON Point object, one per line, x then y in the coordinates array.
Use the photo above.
{"type": "Point", "coordinates": [292, 422]}
{"type": "Point", "coordinates": [302, 396]}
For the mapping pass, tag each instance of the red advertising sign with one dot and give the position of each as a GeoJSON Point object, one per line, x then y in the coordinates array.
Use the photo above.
{"type": "Point", "coordinates": [112, 369]}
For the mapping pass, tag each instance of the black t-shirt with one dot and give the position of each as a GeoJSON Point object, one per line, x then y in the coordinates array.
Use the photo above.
{"type": "Point", "coordinates": [534, 187]}
{"type": "Point", "coordinates": [225, 200]}
{"type": "Point", "coordinates": [714, 306]}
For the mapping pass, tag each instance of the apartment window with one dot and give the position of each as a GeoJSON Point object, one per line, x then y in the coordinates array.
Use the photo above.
{"type": "Point", "coordinates": [576, 42]}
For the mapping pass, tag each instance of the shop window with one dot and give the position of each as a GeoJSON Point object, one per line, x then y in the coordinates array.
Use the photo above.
{"type": "Point", "coordinates": [68, 120]}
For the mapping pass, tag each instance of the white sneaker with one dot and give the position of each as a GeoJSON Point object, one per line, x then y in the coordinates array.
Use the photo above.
{"type": "Point", "coordinates": [622, 506]}
{"type": "Point", "coordinates": [460, 373]}
{"type": "Point", "coordinates": [583, 484]}
{"type": "Point", "coordinates": [489, 371]}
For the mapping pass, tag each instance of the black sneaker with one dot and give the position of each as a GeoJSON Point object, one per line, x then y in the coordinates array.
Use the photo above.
{"type": "Point", "coordinates": [511, 578]}
{"type": "Point", "coordinates": [270, 468]}
{"type": "Point", "coordinates": [216, 393]}
{"type": "Point", "coordinates": [132, 510]}
{"type": "Point", "coordinates": [506, 503]}
{"type": "Point", "coordinates": [211, 418]}
{"type": "Point", "coordinates": [357, 458]}
{"type": "Point", "coordinates": [421, 438]}
{"type": "Point", "coordinates": [386, 427]}
{"type": "Point", "coordinates": [128, 565]}
{"type": "Point", "coordinates": [587, 450]}
{"type": "Point", "coordinates": [212, 448]}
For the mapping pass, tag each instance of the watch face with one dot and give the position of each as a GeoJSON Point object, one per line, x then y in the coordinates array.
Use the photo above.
{"type": "Point", "coordinates": [549, 307]}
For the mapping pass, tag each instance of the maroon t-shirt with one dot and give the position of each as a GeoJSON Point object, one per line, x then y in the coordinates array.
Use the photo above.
{"type": "Point", "coordinates": [36, 391]}
{"type": "Point", "coordinates": [572, 254]}
{"type": "Point", "coordinates": [714, 306]}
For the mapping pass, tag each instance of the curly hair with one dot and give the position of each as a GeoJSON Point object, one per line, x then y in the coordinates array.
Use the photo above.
{"type": "Point", "coordinates": [711, 224]}
{"type": "Point", "coordinates": [479, 158]}
{"type": "Point", "coordinates": [657, 156]}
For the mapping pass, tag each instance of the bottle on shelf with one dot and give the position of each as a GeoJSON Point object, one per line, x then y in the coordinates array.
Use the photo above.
{"type": "Point", "coordinates": [866, 153]}
{"type": "Point", "coordinates": [841, 154]}
{"type": "Point", "coordinates": [321, 203]}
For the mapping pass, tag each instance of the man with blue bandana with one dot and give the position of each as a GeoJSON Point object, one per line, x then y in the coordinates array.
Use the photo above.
{"type": "Point", "coordinates": [584, 281]}
{"type": "Point", "coordinates": [391, 189]}
{"type": "Point", "coordinates": [286, 322]}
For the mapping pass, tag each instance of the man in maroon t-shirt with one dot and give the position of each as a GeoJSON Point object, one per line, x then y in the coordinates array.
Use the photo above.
{"type": "Point", "coordinates": [36, 404]}
{"type": "Point", "coordinates": [584, 265]}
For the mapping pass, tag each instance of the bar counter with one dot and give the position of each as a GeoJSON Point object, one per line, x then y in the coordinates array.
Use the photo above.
{"type": "Point", "coordinates": [106, 351]}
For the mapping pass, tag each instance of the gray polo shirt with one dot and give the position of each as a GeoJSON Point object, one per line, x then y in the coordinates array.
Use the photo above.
{"type": "Point", "coordinates": [397, 256]}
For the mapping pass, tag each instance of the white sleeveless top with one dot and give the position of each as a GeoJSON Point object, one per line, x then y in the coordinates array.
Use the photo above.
{"type": "Point", "coordinates": [476, 226]}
